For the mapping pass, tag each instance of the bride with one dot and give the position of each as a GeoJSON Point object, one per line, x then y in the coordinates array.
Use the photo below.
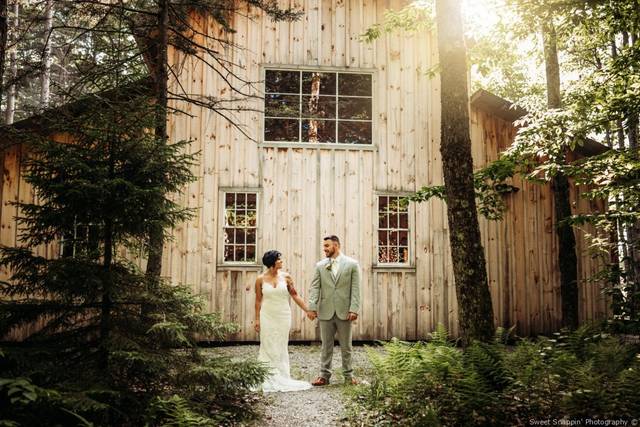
{"type": "Point", "coordinates": [273, 320]}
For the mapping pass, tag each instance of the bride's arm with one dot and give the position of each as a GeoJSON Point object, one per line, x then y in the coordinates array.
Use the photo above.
{"type": "Point", "coordinates": [294, 294]}
{"type": "Point", "coordinates": [258, 302]}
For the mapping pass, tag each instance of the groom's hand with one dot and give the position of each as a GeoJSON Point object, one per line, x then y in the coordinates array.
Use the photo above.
{"type": "Point", "coordinates": [352, 316]}
{"type": "Point", "coordinates": [312, 315]}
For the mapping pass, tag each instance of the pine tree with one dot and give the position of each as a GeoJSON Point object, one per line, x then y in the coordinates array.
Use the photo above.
{"type": "Point", "coordinates": [97, 195]}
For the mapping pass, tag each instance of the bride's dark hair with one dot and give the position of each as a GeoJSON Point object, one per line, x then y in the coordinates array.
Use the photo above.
{"type": "Point", "coordinates": [270, 257]}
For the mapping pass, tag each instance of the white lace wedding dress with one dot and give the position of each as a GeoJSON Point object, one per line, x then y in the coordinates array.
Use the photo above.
{"type": "Point", "coordinates": [275, 322]}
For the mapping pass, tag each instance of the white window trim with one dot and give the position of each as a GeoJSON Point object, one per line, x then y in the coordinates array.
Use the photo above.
{"type": "Point", "coordinates": [221, 225]}
{"type": "Point", "coordinates": [320, 145]}
{"type": "Point", "coordinates": [411, 234]}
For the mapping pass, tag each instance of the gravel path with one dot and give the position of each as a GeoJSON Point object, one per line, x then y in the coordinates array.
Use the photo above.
{"type": "Point", "coordinates": [319, 406]}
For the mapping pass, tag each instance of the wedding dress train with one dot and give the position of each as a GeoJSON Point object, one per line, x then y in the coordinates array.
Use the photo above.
{"type": "Point", "coordinates": [275, 322]}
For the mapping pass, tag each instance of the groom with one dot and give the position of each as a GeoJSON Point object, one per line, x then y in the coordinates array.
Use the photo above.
{"type": "Point", "coordinates": [335, 300]}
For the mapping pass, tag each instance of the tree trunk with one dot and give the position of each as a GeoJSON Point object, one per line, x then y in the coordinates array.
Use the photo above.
{"type": "Point", "coordinates": [13, 61]}
{"type": "Point", "coordinates": [156, 238]}
{"type": "Point", "coordinates": [45, 80]}
{"type": "Point", "coordinates": [472, 290]}
{"type": "Point", "coordinates": [4, 27]}
{"type": "Point", "coordinates": [567, 259]}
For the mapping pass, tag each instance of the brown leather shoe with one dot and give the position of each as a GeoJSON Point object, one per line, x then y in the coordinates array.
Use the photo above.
{"type": "Point", "coordinates": [320, 381]}
{"type": "Point", "coordinates": [352, 381]}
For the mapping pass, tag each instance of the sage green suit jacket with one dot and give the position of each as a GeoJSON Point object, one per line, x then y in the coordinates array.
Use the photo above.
{"type": "Point", "coordinates": [329, 296]}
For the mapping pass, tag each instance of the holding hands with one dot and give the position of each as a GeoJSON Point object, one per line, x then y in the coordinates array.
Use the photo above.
{"type": "Point", "coordinates": [312, 315]}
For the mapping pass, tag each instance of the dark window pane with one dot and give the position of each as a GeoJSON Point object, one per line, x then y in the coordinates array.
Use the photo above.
{"type": "Point", "coordinates": [229, 199]}
{"type": "Point", "coordinates": [319, 131]}
{"type": "Point", "coordinates": [403, 238]}
{"type": "Point", "coordinates": [354, 132]}
{"type": "Point", "coordinates": [281, 130]}
{"type": "Point", "coordinates": [322, 107]}
{"type": "Point", "coordinates": [382, 203]}
{"type": "Point", "coordinates": [251, 253]}
{"type": "Point", "coordinates": [251, 201]}
{"type": "Point", "coordinates": [383, 220]}
{"type": "Point", "coordinates": [228, 235]}
{"type": "Point", "coordinates": [383, 238]}
{"type": "Point", "coordinates": [354, 84]}
{"type": "Point", "coordinates": [318, 83]}
{"type": "Point", "coordinates": [251, 235]}
{"type": "Point", "coordinates": [393, 237]}
{"type": "Point", "coordinates": [282, 81]}
{"type": "Point", "coordinates": [404, 220]}
{"type": "Point", "coordinates": [282, 105]}
{"type": "Point", "coordinates": [239, 254]}
{"type": "Point", "coordinates": [393, 220]}
{"type": "Point", "coordinates": [240, 201]}
{"type": "Point", "coordinates": [228, 253]}
{"type": "Point", "coordinates": [240, 236]}
{"type": "Point", "coordinates": [354, 108]}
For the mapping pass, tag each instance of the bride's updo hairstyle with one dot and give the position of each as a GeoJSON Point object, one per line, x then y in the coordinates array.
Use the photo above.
{"type": "Point", "coordinates": [270, 257]}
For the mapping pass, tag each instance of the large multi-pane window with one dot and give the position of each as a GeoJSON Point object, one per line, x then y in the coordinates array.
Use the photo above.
{"type": "Point", "coordinates": [393, 230]}
{"type": "Point", "coordinates": [318, 107]}
{"type": "Point", "coordinates": [240, 226]}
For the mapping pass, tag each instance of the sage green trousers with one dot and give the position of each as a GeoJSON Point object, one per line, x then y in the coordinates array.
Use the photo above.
{"type": "Point", "coordinates": [328, 329]}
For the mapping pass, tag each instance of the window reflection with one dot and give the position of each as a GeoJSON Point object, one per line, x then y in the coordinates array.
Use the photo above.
{"type": "Point", "coordinates": [318, 107]}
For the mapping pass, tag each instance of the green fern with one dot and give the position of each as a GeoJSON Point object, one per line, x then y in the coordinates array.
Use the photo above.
{"type": "Point", "coordinates": [573, 374]}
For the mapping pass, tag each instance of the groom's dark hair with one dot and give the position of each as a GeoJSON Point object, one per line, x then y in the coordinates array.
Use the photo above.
{"type": "Point", "coordinates": [333, 238]}
{"type": "Point", "coordinates": [270, 257]}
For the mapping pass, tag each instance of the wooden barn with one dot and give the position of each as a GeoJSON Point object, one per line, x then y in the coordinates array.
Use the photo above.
{"type": "Point", "coordinates": [345, 128]}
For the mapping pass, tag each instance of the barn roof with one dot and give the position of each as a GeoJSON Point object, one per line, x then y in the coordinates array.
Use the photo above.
{"type": "Point", "coordinates": [510, 112]}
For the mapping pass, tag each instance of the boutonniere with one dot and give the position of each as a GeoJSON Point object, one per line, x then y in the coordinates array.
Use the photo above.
{"type": "Point", "coordinates": [329, 265]}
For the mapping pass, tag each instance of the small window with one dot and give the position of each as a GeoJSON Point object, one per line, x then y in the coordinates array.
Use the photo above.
{"type": "Point", "coordinates": [393, 230]}
{"type": "Point", "coordinates": [82, 241]}
{"type": "Point", "coordinates": [318, 107]}
{"type": "Point", "coordinates": [240, 226]}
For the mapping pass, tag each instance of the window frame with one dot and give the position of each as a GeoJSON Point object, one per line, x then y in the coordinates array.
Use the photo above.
{"type": "Point", "coordinates": [222, 192]}
{"type": "Point", "coordinates": [319, 145]}
{"type": "Point", "coordinates": [410, 234]}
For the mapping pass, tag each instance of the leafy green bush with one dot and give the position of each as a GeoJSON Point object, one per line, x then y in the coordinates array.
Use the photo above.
{"type": "Point", "coordinates": [585, 373]}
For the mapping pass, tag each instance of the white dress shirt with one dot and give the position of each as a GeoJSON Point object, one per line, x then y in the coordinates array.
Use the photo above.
{"type": "Point", "coordinates": [335, 266]}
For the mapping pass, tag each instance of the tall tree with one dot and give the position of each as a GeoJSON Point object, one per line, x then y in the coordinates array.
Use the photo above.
{"type": "Point", "coordinates": [45, 78]}
{"type": "Point", "coordinates": [12, 91]}
{"type": "Point", "coordinates": [472, 289]}
{"type": "Point", "coordinates": [567, 258]}
{"type": "Point", "coordinates": [4, 28]}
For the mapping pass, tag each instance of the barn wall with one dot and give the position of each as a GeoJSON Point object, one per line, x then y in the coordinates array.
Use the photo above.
{"type": "Point", "coordinates": [308, 192]}
{"type": "Point", "coordinates": [522, 264]}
